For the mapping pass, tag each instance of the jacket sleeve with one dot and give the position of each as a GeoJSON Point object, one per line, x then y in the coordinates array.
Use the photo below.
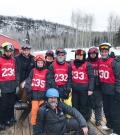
{"type": "Point", "coordinates": [48, 83]}
{"type": "Point", "coordinates": [29, 82]}
{"type": "Point", "coordinates": [75, 113]}
{"type": "Point", "coordinates": [116, 70]}
{"type": "Point", "coordinates": [69, 76]}
{"type": "Point", "coordinates": [17, 72]}
{"type": "Point", "coordinates": [90, 72]}
{"type": "Point", "coordinates": [51, 79]}
{"type": "Point", "coordinates": [40, 122]}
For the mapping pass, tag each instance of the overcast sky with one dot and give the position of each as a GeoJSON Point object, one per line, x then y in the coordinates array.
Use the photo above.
{"type": "Point", "coordinates": [60, 10]}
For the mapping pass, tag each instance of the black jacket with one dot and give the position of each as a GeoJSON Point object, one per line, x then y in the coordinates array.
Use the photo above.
{"type": "Point", "coordinates": [55, 124]}
{"type": "Point", "coordinates": [25, 65]}
{"type": "Point", "coordinates": [96, 75]}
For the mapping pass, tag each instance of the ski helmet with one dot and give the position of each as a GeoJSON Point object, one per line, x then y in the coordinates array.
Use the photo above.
{"type": "Point", "coordinates": [104, 46]}
{"type": "Point", "coordinates": [7, 46]}
{"type": "Point", "coordinates": [52, 92]}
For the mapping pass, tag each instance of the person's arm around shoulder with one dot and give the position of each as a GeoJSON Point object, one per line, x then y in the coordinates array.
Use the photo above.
{"type": "Point", "coordinates": [90, 72]}
{"type": "Point", "coordinates": [51, 76]}
{"type": "Point", "coordinates": [28, 85]}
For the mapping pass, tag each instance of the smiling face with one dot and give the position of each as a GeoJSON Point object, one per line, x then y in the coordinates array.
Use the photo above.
{"type": "Point", "coordinates": [9, 53]}
{"type": "Point", "coordinates": [26, 52]}
{"type": "Point", "coordinates": [93, 55]}
{"type": "Point", "coordinates": [104, 53]}
{"type": "Point", "coordinates": [61, 57]}
{"type": "Point", "coordinates": [49, 59]}
{"type": "Point", "coordinates": [53, 101]}
{"type": "Point", "coordinates": [79, 57]}
{"type": "Point", "coordinates": [40, 63]}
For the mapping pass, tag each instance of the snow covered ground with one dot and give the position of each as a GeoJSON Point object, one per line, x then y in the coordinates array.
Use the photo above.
{"type": "Point", "coordinates": [71, 53]}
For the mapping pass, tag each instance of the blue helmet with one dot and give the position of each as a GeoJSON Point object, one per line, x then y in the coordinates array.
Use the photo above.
{"type": "Point", "coordinates": [52, 92]}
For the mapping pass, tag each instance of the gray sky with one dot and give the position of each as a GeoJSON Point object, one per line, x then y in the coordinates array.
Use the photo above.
{"type": "Point", "coordinates": [60, 10]}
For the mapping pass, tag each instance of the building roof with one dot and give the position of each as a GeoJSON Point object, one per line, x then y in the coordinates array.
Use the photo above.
{"type": "Point", "coordinates": [4, 38]}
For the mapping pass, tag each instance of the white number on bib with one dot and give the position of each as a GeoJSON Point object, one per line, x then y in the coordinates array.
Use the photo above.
{"type": "Point", "coordinates": [104, 74]}
{"type": "Point", "coordinates": [61, 77]}
{"type": "Point", "coordinates": [78, 75]}
{"type": "Point", "coordinates": [38, 82]}
{"type": "Point", "coordinates": [8, 72]}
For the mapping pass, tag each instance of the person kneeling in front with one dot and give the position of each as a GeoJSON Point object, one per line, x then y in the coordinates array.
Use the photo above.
{"type": "Point", "coordinates": [52, 120]}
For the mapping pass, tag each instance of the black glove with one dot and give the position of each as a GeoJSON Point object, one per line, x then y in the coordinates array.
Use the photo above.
{"type": "Point", "coordinates": [67, 92]}
{"type": "Point", "coordinates": [117, 97]}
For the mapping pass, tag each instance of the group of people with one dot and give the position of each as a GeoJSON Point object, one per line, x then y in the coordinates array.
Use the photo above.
{"type": "Point", "coordinates": [49, 80]}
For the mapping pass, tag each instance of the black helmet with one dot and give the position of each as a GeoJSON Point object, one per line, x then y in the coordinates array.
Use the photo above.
{"type": "Point", "coordinates": [60, 50]}
{"type": "Point", "coordinates": [26, 46]}
{"type": "Point", "coordinates": [49, 53]}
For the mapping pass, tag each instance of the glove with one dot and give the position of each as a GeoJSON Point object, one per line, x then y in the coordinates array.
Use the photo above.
{"type": "Point", "coordinates": [22, 85]}
{"type": "Point", "coordinates": [117, 97]}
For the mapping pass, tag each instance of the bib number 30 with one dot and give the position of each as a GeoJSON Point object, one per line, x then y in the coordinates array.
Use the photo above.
{"type": "Point", "coordinates": [103, 74]}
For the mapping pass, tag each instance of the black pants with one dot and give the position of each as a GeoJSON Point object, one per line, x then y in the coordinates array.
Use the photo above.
{"type": "Point", "coordinates": [80, 102]}
{"type": "Point", "coordinates": [96, 104]}
{"type": "Point", "coordinates": [107, 108]}
{"type": "Point", "coordinates": [73, 125]}
{"type": "Point", "coordinates": [7, 107]}
{"type": "Point", "coordinates": [116, 117]}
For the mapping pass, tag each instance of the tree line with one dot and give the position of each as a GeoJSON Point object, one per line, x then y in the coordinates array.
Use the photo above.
{"type": "Point", "coordinates": [41, 34]}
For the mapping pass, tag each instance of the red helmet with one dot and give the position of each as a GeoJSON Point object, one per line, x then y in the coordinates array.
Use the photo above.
{"type": "Point", "coordinates": [93, 50]}
{"type": "Point", "coordinates": [80, 52]}
{"type": "Point", "coordinates": [40, 57]}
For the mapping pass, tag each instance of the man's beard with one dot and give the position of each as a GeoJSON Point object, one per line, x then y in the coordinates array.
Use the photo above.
{"type": "Point", "coordinates": [53, 105]}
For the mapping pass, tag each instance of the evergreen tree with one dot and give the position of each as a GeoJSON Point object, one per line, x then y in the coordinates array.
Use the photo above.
{"type": "Point", "coordinates": [96, 41]}
{"type": "Point", "coordinates": [27, 39]}
{"type": "Point", "coordinates": [116, 39]}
